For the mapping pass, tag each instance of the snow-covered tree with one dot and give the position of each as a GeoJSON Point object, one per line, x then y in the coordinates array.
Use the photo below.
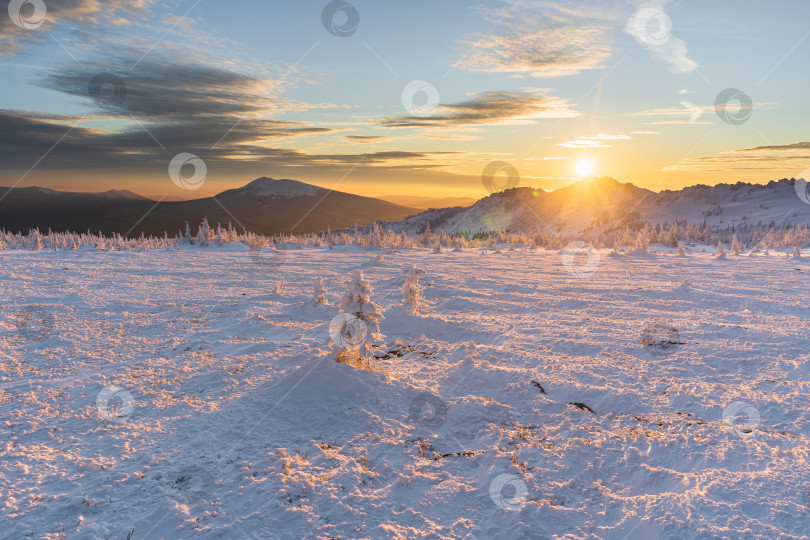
{"type": "Point", "coordinates": [204, 233]}
{"type": "Point", "coordinates": [736, 246]}
{"type": "Point", "coordinates": [720, 253]}
{"type": "Point", "coordinates": [357, 302]}
{"type": "Point", "coordinates": [681, 250]}
{"type": "Point", "coordinates": [411, 289]}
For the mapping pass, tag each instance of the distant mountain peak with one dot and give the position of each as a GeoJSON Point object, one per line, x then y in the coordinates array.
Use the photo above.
{"type": "Point", "coordinates": [282, 188]}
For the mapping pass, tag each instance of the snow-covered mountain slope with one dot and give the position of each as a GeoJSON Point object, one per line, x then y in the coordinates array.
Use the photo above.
{"type": "Point", "coordinates": [279, 189]}
{"type": "Point", "coordinates": [605, 204]}
{"type": "Point", "coordinates": [184, 399]}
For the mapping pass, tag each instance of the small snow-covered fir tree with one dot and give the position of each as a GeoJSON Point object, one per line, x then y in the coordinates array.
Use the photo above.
{"type": "Point", "coordinates": [720, 253]}
{"type": "Point", "coordinates": [411, 289]}
{"type": "Point", "coordinates": [357, 302]}
{"type": "Point", "coordinates": [318, 291]}
{"type": "Point", "coordinates": [681, 250]}
{"type": "Point", "coordinates": [736, 246]}
{"type": "Point", "coordinates": [204, 233]}
{"type": "Point", "coordinates": [641, 242]}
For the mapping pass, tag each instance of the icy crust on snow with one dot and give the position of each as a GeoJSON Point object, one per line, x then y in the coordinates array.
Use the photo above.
{"type": "Point", "coordinates": [243, 427]}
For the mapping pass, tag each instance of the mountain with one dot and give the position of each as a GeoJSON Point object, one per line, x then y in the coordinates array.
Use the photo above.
{"type": "Point", "coordinates": [605, 204]}
{"type": "Point", "coordinates": [426, 203]}
{"type": "Point", "coordinates": [264, 206]}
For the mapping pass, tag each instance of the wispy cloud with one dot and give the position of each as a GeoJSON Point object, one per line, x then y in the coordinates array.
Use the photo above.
{"type": "Point", "coordinates": [687, 113]}
{"type": "Point", "coordinates": [791, 157]}
{"type": "Point", "coordinates": [594, 141]}
{"type": "Point", "coordinates": [80, 13]}
{"type": "Point", "coordinates": [489, 108]}
{"type": "Point", "coordinates": [652, 27]}
{"type": "Point", "coordinates": [541, 39]}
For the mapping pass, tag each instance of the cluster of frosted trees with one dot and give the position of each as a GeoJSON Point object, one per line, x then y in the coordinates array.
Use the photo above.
{"type": "Point", "coordinates": [764, 237]}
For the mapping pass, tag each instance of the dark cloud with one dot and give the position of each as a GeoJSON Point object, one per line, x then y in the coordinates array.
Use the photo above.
{"type": "Point", "coordinates": [488, 108]}
{"type": "Point", "coordinates": [364, 138]}
{"type": "Point", "coordinates": [24, 139]}
{"type": "Point", "coordinates": [163, 89]}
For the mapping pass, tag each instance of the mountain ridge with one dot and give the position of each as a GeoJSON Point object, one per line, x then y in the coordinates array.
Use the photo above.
{"type": "Point", "coordinates": [265, 206]}
{"type": "Point", "coordinates": [606, 204]}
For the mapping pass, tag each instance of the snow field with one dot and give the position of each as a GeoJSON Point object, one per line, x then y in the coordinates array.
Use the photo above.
{"type": "Point", "coordinates": [177, 394]}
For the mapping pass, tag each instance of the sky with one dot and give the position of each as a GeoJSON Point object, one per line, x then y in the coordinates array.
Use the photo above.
{"type": "Point", "coordinates": [185, 99]}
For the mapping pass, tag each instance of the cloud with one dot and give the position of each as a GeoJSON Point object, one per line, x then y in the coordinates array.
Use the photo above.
{"type": "Point", "coordinates": [687, 109]}
{"type": "Point", "coordinates": [795, 156]}
{"type": "Point", "coordinates": [364, 138]}
{"type": "Point", "coordinates": [489, 108]}
{"type": "Point", "coordinates": [779, 148]}
{"type": "Point", "coordinates": [652, 27]}
{"type": "Point", "coordinates": [171, 90]}
{"type": "Point", "coordinates": [81, 13]}
{"type": "Point", "coordinates": [26, 137]}
{"type": "Point", "coordinates": [541, 39]}
{"type": "Point", "coordinates": [594, 141]}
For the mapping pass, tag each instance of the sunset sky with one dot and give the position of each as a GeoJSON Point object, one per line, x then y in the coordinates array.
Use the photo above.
{"type": "Point", "coordinates": [401, 97]}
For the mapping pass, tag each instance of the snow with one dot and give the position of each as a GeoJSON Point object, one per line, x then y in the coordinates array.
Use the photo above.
{"type": "Point", "coordinates": [280, 189]}
{"type": "Point", "coordinates": [174, 394]}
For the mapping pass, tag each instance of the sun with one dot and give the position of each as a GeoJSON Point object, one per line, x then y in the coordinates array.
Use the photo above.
{"type": "Point", "coordinates": [584, 168]}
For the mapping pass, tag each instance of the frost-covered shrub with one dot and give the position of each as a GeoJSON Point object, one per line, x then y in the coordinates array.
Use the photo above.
{"type": "Point", "coordinates": [318, 291]}
{"type": "Point", "coordinates": [356, 301]}
{"type": "Point", "coordinates": [411, 289]}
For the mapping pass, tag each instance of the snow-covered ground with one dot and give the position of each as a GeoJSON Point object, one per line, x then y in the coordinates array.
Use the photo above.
{"type": "Point", "coordinates": [177, 394]}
